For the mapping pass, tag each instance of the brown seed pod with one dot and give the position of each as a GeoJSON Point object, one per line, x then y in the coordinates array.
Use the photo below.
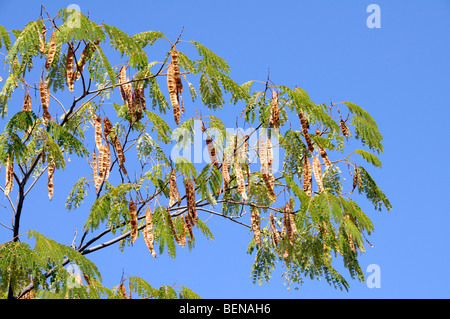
{"type": "Point", "coordinates": [131, 107]}
{"type": "Point", "coordinates": [305, 126]}
{"type": "Point", "coordinates": [133, 220]}
{"type": "Point", "coordinates": [139, 92]}
{"type": "Point", "coordinates": [148, 231]}
{"type": "Point", "coordinates": [85, 55]}
{"type": "Point", "coordinates": [101, 164]}
{"type": "Point", "coordinates": [27, 103]}
{"type": "Point", "coordinates": [173, 189]}
{"type": "Point", "coordinates": [289, 209]}
{"type": "Point", "coordinates": [176, 70]}
{"type": "Point", "coordinates": [9, 174]}
{"type": "Point", "coordinates": [190, 199]}
{"type": "Point", "coordinates": [120, 154]}
{"type": "Point", "coordinates": [69, 67]}
{"type": "Point", "coordinates": [287, 223]}
{"type": "Point", "coordinates": [254, 217]}
{"type": "Point", "coordinates": [107, 127]}
{"type": "Point", "coordinates": [172, 226]}
{"type": "Point", "coordinates": [266, 159]}
{"type": "Point", "coordinates": [106, 161]}
{"type": "Point", "coordinates": [183, 232]}
{"type": "Point", "coordinates": [355, 180]}
{"type": "Point", "coordinates": [317, 173]}
{"type": "Point", "coordinates": [212, 151]}
{"type": "Point", "coordinates": [173, 93]}
{"type": "Point", "coordinates": [98, 134]}
{"type": "Point", "coordinates": [41, 35]}
{"type": "Point", "coordinates": [51, 50]}
{"type": "Point", "coordinates": [45, 99]}
{"type": "Point", "coordinates": [97, 181]}
{"type": "Point", "coordinates": [240, 180]}
{"type": "Point", "coordinates": [344, 129]}
{"type": "Point", "coordinates": [275, 113]}
{"type": "Point", "coordinates": [225, 173]}
{"type": "Point", "coordinates": [274, 230]}
{"type": "Point", "coordinates": [187, 223]}
{"type": "Point", "coordinates": [307, 176]}
{"type": "Point", "coordinates": [123, 79]}
{"type": "Point", "coordinates": [50, 186]}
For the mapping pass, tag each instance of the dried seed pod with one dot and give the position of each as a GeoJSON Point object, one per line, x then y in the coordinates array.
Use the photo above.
{"type": "Point", "coordinates": [287, 223]}
{"type": "Point", "coordinates": [173, 189]}
{"type": "Point", "coordinates": [173, 93]}
{"type": "Point", "coordinates": [305, 126]}
{"type": "Point", "coordinates": [140, 96]}
{"type": "Point", "coordinates": [190, 199]}
{"type": "Point", "coordinates": [45, 99]}
{"type": "Point", "coordinates": [27, 103]}
{"type": "Point", "coordinates": [148, 231]}
{"type": "Point", "coordinates": [317, 173]}
{"type": "Point", "coordinates": [344, 129]}
{"type": "Point", "coordinates": [106, 161]}
{"type": "Point", "coordinates": [254, 217]}
{"type": "Point", "coordinates": [69, 67]}
{"type": "Point", "coordinates": [355, 180]}
{"type": "Point", "coordinates": [97, 181]}
{"type": "Point", "coordinates": [85, 55]}
{"type": "Point", "coordinates": [225, 173]}
{"type": "Point", "coordinates": [324, 156]}
{"type": "Point", "coordinates": [289, 210]}
{"type": "Point", "coordinates": [131, 107]}
{"type": "Point", "coordinates": [187, 223]}
{"type": "Point", "coordinates": [51, 50]}
{"type": "Point", "coordinates": [107, 127]}
{"type": "Point", "coordinates": [41, 35]}
{"type": "Point", "coordinates": [275, 113]}
{"type": "Point", "coordinates": [172, 226]}
{"type": "Point", "coordinates": [183, 232]}
{"type": "Point", "coordinates": [123, 79]}
{"type": "Point", "coordinates": [51, 171]}
{"type": "Point", "coordinates": [212, 151]}
{"type": "Point", "coordinates": [98, 134]}
{"type": "Point", "coordinates": [266, 167]}
{"type": "Point", "coordinates": [133, 220]}
{"type": "Point", "coordinates": [307, 176]}
{"type": "Point", "coordinates": [120, 154]}
{"type": "Point", "coordinates": [101, 163]}
{"type": "Point", "coordinates": [9, 174]}
{"type": "Point", "coordinates": [176, 70]}
{"type": "Point", "coordinates": [274, 230]}
{"type": "Point", "coordinates": [240, 180]}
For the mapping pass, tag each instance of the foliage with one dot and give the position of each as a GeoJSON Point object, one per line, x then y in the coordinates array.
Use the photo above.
{"type": "Point", "coordinates": [297, 156]}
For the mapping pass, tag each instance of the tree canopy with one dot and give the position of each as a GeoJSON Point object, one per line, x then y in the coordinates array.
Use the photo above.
{"type": "Point", "coordinates": [288, 169]}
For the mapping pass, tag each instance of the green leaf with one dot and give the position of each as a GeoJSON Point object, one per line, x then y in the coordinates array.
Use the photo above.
{"type": "Point", "coordinates": [369, 157]}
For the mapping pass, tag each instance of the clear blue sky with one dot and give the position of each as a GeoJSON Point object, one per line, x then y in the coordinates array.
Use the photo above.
{"type": "Point", "coordinates": [400, 73]}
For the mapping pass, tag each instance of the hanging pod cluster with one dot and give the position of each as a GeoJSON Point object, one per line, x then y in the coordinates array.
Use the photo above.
{"type": "Point", "coordinates": [133, 96]}
{"type": "Point", "coordinates": [102, 169]}
{"type": "Point", "coordinates": [266, 158]}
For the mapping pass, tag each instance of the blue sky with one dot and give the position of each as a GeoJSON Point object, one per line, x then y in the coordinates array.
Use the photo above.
{"type": "Point", "coordinates": [400, 73]}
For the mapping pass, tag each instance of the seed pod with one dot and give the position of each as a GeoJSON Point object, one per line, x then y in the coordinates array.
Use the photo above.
{"type": "Point", "coordinates": [266, 167]}
{"type": "Point", "coordinates": [107, 127]}
{"type": "Point", "coordinates": [274, 230]}
{"type": "Point", "coordinates": [190, 199]}
{"type": "Point", "coordinates": [305, 126]}
{"type": "Point", "coordinates": [183, 232]}
{"type": "Point", "coordinates": [355, 180]}
{"type": "Point", "coordinates": [148, 231]}
{"type": "Point", "coordinates": [225, 173]}
{"type": "Point", "coordinates": [97, 181]}
{"type": "Point", "coordinates": [9, 174]}
{"type": "Point", "coordinates": [101, 163]}
{"type": "Point", "coordinates": [212, 151]}
{"type": "Point", "coordinates": [240, 180]}
{"type": "Point", "coordinates": [173, 189]}
{"type": "Point", "coordinates": [287, 223]}
{"type": "Point", "coordinates": [172, 87]}
{"type": "Point", "coordinates": [172, 227]}
{"type": "Point", "coordinates": [51, 50]}
{"type": "Point", "coordinates": [275, 113]}
{"type": "Point", "coordinates": [106, 161]}
{"type": "Point", "coordinates": [141, 96]}
{"type": "Point", "coordinates": [51, 171]}
{"type": "Point", "coordinates": [69, 67]}
{"type": "Point", "coordinates": [27, 103]}
{"type": "Point", "coordinates": [123, 79]}
{"type": "Point", "coordinates": [176, 70]}
{"type": "Point", "coordinates": [41, 35]}
{"type": "Point", "coordinates": [120, 154]}
{"type": "Point", "coordinates": [98, 131]}
{"type": "Point", "coordinates": [45, 99]}
{"type": "Point", "coordinates": [307, 176]}
{"type": "Point", "coordinates": [188, 225]}
{"type": "Point", "coordinates": [344, 129]}
{"type": "Point", "coordinates": [289, 209]}
{"type": "Point", "coordinates": [254, 217]}
{"type": "Point", "coordinates": [133, 220]}
{"type": "Point", "coordinates": [317, 173]}
{"type": "Point", "coordinates": [85, 55]}
{"type": "Point", "coordinates": [131, 107]}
